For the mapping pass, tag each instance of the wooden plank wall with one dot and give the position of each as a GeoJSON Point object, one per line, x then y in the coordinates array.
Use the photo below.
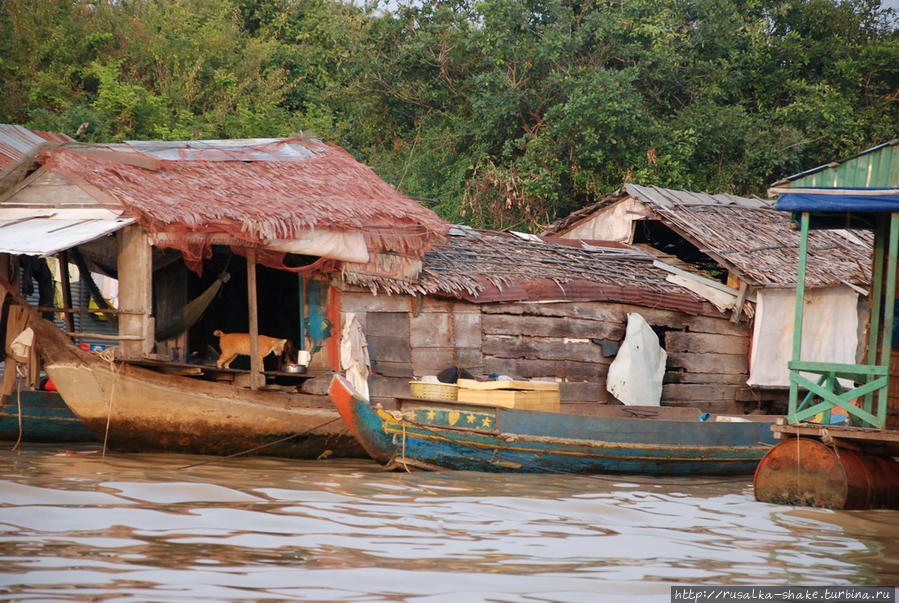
{"type": "Point", "coordinates": [410, 337]}
{"type": "Point", "coordinates": [707, 355]}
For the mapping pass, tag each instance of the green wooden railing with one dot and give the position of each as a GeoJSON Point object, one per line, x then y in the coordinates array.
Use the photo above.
{"type": "Point", "coordinates": [866, 402]}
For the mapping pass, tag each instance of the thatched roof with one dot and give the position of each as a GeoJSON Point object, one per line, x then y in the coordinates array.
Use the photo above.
{"type": "Point", "coordinates": [746, 236]}
{"type": "Point", "coordinates": [256, 192]}
{"type": "Point", "coordinates": [487, 266]}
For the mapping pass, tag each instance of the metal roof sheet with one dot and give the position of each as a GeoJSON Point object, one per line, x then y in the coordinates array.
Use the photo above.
{"type": "Point", "coordinates": [46, 233]}
{"type": "Point", "coordinates": [876, 167]}
{"type": "Point", "coordinates": [238, 149]}
{"type": "Point", "coordinates": [17, 141]}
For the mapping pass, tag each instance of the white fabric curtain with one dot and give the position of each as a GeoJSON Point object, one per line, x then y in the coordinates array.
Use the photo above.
{"type": "Point", "coordinates": [829, 331]}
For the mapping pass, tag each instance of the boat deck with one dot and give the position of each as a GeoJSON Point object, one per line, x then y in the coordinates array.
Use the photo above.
{"type": "Point", "coordinates": [220, 374]}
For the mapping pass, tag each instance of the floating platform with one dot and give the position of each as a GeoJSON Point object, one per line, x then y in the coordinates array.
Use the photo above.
{"type": "Point", "coordinates": [830, 466]}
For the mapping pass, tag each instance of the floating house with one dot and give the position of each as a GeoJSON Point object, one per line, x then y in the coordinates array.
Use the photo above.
{"type": "Point", "coordinates": [840, 439]}
{"type": "Point", "coordinates": [741, 254]}
{"type": "Point", "coordinates": [540, 307]}
{"type": "Point", "coordinates": [182, 227]}
{"type": "Point", "coordinates": [295, 240]}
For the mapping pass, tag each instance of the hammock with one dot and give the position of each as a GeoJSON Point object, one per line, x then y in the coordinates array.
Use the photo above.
{"type": "Point", "coordinates": [192, 311]}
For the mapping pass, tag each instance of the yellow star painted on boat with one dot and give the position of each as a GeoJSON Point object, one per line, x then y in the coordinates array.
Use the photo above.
{"type": "Point", "coordinates": [486, 422]}
{"type": "Point", "coordinates": [431, 414]}
{"type": "Point", "coordinates": [470, 418]}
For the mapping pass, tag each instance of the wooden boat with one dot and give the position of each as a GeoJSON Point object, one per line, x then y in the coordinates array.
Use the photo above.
{"type": "Point", "coordinates": [44, 418]}
{"type": "Point", "coordinates": [440, 434]}
{"type": "Point", "coordinates": [133, 408]}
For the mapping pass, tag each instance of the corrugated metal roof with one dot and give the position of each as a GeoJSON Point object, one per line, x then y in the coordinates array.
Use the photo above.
{"type": "Point", "coordinates": [42, 234]}
{"type": "Point", "coordinates": [877, 167]}
{"type": "Point", "coordinates": [238, 149]}
{"type": "Point", "coordinates": [668, 198]}
{"type": "Point", "coordinates": [746, 235]}
{"type": "Point", "coordinates": [17, 141]}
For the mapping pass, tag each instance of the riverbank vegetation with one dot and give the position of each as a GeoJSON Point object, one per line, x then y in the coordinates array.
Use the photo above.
{"type": "Point", "coordinates": [497, 113]}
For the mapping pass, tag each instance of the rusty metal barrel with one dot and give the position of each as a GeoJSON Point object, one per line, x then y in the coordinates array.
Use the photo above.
{"type": "Point", "coordinates": [805, 471]}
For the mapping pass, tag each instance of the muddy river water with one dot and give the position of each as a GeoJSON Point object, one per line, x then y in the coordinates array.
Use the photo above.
{"type": "Point", "coordinates": [76, 526]}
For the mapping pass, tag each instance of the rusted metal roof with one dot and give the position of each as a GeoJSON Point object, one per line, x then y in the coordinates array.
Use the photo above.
{"type": "Point", "coordinates": [17, 141]}
{"type": "Point", "coordinates": [487, 266]}
{"type": "Point", "coordinates": [255, 191]}
{"type": "Point", "coordinates": [747, 236]}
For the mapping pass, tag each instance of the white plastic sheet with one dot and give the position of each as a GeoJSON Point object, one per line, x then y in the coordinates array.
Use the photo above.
{"type": "Point", "coordinates": [635, 376]}
{"type": "Point", "coordinates": [829, 331]}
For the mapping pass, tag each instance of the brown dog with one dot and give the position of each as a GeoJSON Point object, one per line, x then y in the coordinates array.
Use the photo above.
{"type": "Point", "coordinates": [235, 344]}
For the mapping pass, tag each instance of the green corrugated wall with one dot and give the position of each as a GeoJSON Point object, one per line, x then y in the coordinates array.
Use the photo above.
{"type": "Point", "coordinates": [878, 168]}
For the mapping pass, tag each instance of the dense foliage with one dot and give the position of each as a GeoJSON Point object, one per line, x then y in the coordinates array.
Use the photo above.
{"type": "Point", "coordinates": [503, 113]}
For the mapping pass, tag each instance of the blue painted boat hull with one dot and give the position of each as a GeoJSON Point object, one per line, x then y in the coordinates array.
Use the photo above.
{"type": "Point", "coordinates": [45, 418]}
{"type": "Point", "coordinates": [460, 435]}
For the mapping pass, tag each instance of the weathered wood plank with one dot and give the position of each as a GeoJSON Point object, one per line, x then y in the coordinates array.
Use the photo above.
{"type": "Point", "coordinates": [701, 392]}
{"type": "Point", "coordinates": [709, 363]}
{"type": "Point", "coordinates": [461, 307]}
{"type": "Point", "coordinates": [551, 326]}
{"type": "Point", "coordinates": [388, 387]}
{"type": "Point", "coordinates": [543, 348]}
{"type": "Point", "coordinates": [467, 329]}
{"type": "Point", "coordinates": [389, 349]}
{"type": "Point", "coordinates": [430, 361]}
{"type": "Point", "coordinates": [392, 369]}
{"type": "Point", "coordinates": [528, 369]}
{"type": "Point", "coordinates": [470, 359]}
{"type": "Point", "coordinates": [387, 324]}
{"type": "Point", "coordinates": [584, 392]}
{"type": "Point", "coordinates": [430, 330]}
{"type": "Point", "coordinates": [681, 376]}
{"type": "Point", "coordinates": [678, 341]}
{"type": "Point", "coordinates": [617, 314]}
{"type": "Point", "coordinates": [351, 301]}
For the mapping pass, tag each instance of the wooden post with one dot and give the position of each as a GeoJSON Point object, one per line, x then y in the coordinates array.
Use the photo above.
{"type": "Point", "coordinates": [256, 379]}
{"type": "Point", "coordinates": [66, 289]}
{"type": "Point", "coordinates": [793, 404]}
{"type": "Point", "coordinates": [135, 267]}
{"type": "Point", "coordinates": [741, 299]}
{"type": "Point", "coordinates": [888, 310]}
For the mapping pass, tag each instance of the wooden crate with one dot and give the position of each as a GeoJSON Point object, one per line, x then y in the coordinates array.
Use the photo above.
{"type": "Point", "coordinates": [542, 398]}
{"type": "Point", "coordinates": [551, 386]}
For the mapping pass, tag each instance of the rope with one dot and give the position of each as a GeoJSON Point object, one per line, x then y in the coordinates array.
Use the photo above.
{"type": "Point", "coordinates": [109, 356]}
{"type": "Point", "coordinates": [498, 455]}
{"type": "Point", "coordinates": [261, 446]}
{"type": "Point", "coordinates": [405, 466]}
{"type": "Point", "coordinates": [19, 397]}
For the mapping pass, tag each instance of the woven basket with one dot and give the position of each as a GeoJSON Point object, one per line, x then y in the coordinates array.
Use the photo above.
{"type": "Point", "coordinates": [434, 391]}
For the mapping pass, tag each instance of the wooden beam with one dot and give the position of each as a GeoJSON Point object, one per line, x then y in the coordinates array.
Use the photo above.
{"type": "Point", "coordinates": [741, 299]}
{"type": "Point", "coordinates": [106, 336]}
{"type": "Point", "coordinates": [66, 288]}
{"type": "Point", "coordinates": [67, 310]}
{"type": "Point", "coordinates": [135, 271]}
{"type": "Point", "coordinates": [256, 379]}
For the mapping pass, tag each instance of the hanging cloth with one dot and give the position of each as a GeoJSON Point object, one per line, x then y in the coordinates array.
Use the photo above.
{"type": "Point", "coordinates": [354, 354]}
{"type": "Point", "coordinates": [192, 311]}
{"type": "Point", "coordinates": [635, 376]}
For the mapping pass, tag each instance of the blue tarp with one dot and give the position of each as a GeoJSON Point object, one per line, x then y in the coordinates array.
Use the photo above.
{"type": "Point", "coordinates": [819, 202]}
